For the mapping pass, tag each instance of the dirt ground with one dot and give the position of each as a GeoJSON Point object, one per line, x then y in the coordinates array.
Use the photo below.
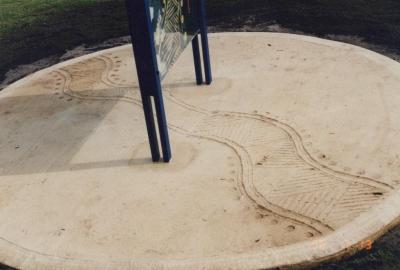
{"type": "Point", "coordinates": [370, 24]}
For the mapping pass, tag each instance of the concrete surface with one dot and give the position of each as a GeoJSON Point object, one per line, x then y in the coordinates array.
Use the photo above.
{"type": "Point", "coordinates": [291, 157]}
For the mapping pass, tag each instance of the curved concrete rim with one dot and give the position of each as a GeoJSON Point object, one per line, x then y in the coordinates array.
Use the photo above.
{"type": "Point", "coordinates": [344, 241]}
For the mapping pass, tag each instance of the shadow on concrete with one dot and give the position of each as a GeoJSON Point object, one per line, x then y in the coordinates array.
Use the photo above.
{"type": "Point", "coordinates": [43, 133]}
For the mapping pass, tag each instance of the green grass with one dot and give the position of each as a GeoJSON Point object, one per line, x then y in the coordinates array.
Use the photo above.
{"type": "Point", "coordinates": [19, 13]}
{"type": "Point", "coordinates": [31, 30]}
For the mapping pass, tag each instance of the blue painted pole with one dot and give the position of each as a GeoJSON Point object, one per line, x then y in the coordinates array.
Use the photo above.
{"type": "Point", "coordinates": [163, 128]}
{"type": "Point", "coordinates": [151, 128]}
{"type": "Point", "coordinates": [204, 41]}
{"type": "Point", "coordinates": [197, 60]}
{"type": "Point", "coordinates": [142, 35]}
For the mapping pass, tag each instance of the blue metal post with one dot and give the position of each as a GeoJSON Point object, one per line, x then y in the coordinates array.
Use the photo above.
{"type": "Point", "coordinates": [142, 34]}
{"type": "Point", "coordinates": [151, 128]}
{"type": "Point", "coordinates": [149, 78]}
{"type": "Point", "coordinates": [162, 127]}
{"type": "Point", "coordinates": [204, 41]}
{"type": "Point", "coordinates": [197, 61]}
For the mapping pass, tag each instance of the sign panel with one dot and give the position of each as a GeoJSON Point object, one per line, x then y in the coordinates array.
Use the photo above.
{"type": "Point", "coordinates": [174, 24]}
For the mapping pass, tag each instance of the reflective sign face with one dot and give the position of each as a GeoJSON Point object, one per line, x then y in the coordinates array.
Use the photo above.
{"type": "Point", "coordinates": [174, 25]}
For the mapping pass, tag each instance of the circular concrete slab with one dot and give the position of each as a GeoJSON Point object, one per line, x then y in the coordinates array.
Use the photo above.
{"type": "Point", "coordinates": [289, 158]}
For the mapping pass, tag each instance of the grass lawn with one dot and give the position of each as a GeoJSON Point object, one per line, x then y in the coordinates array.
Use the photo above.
{"type": "Point", "coordinates": [33, 29]}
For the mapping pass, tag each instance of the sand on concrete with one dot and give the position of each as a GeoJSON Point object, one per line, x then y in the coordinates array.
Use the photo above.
{"type": "Point", "coordinates": [290, 157]}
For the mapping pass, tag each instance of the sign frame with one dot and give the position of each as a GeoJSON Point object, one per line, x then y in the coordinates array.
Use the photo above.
{"type": "Point", "coordinates": [142, 36]}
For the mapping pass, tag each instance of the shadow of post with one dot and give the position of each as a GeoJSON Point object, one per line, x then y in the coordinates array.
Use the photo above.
{"type": "Point", "coordinates": [43, 133]}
